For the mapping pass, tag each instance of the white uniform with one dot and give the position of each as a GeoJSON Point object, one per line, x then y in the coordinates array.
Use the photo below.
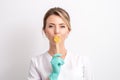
{"type": "Point", "coordinates": [75, 67]}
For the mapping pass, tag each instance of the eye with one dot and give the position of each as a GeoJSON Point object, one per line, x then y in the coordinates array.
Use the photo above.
{"type": "Point", "coordinates": [50, 26]}
{"type": "Point", "coordinates": [62, 26]}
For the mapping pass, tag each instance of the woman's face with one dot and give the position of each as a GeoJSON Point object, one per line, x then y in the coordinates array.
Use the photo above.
{"type": "Point", "coordinates": [56, 26]}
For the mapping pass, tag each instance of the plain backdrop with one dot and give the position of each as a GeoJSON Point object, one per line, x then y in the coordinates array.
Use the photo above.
{"type": "Point", "coordinates": [95, 33]}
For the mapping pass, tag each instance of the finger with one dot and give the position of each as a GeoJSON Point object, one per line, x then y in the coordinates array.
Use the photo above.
{"type": "Point", "coordinates": [57, 55]}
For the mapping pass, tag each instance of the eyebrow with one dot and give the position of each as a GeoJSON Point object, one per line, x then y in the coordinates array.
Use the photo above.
{"type": "Point", "coordinates": [59, 24]}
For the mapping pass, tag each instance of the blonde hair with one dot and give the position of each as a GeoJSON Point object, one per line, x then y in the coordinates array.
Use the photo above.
{"type": "Point", "coordinates": [59, 12]}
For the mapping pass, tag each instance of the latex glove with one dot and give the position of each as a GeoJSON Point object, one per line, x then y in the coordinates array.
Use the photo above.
{"type": "Point", "coordinates": [56, 63]}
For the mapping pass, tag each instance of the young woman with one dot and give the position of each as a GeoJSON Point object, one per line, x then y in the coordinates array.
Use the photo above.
{"type": "Point", "coordinates": [59, 64]}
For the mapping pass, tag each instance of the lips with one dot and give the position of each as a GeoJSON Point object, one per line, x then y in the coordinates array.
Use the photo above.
{"type": "Point", "coordinates": [57, 39]}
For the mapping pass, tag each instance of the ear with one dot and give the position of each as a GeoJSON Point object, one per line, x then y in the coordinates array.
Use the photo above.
{"type": "Point", "coordinates": [68, 32]}
{"type": "Point", "coordinates": [44, 32]}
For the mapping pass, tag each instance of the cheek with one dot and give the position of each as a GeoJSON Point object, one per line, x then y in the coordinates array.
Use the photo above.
{"type": "Point", "coordinates": [48, 34]}
{"type": "Point", "coordinates": [65, 35]}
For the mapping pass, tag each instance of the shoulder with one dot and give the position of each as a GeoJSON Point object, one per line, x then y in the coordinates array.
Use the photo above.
{"type": "Point", "coordinates": [36, 59]}
{"type": "Point", "coordinates": [78, 56]}
{"type": "Point", "coordinates": [79, 59]}
{"type": "Point", "coordinates": [43, 54]}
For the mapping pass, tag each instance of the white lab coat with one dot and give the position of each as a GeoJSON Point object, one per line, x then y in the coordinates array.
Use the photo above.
{"type": "Point", "coordinates": [75, 67]}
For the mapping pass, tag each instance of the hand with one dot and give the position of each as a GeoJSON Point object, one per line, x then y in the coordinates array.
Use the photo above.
{"type": "Point", "coordinates": [56, 62]}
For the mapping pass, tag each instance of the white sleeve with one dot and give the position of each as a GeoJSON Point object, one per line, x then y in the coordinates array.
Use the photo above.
{"type": "Point", "coordinates": [33, 71]}
{"type": "Point", "coordinates": [87, 69]}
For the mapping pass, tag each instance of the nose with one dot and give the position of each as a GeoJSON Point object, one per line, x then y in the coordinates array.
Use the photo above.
{"type": "Point", "coordinates": [57, 30]}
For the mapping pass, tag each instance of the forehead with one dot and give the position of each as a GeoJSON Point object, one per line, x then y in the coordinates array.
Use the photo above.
{"type": "Point", "coordinates": [55, 19]}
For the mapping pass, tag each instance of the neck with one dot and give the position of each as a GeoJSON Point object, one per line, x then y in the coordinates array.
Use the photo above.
{"type": "Point", "coordinates": [53, 50]}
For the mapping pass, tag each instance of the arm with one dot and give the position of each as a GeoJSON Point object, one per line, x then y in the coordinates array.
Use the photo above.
{"type": "Point", "coordinates": [33, 72]}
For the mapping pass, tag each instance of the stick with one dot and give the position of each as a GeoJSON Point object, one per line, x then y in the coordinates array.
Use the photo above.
{"type": "Point", "coordinates": [57, 47]}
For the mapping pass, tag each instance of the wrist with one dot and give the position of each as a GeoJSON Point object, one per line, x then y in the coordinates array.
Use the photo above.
{"type": "Point", "coordinates": [53, 76]}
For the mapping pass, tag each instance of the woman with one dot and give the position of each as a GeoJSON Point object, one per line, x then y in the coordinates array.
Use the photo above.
{"type": "Point", "coordinates": [59, 64]}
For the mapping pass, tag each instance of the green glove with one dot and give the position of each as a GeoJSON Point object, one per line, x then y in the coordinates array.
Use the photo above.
{"type": "Point", "coordinates": [56, 63]}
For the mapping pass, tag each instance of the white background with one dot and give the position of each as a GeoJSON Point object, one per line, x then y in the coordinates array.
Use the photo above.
{"type": "Point", "coordinates": [95, 33]}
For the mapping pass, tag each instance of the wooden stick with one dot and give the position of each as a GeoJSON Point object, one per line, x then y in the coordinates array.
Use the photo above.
{"type": "Point", "coordinates": [57, 41]}
{"type": "Point", "coordinates": [57, 47]}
